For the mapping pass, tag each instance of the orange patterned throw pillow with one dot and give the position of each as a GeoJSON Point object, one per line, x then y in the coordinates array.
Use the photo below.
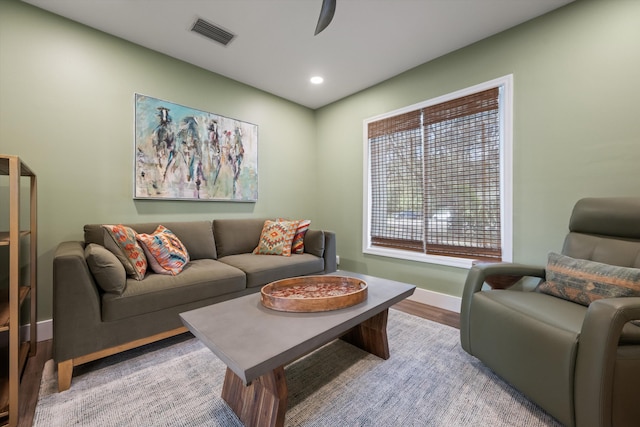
{"type": "Point", "coordinates": [121, 241]}
{"type": "Point", "coordinates": [276, 238]}
{"type": "Point", "coordinates": [165, 252]}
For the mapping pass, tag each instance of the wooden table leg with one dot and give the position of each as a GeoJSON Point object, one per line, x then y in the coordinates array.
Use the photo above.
{"type": "Point", "coordinates": [371, 335]}
{"type": "Point", "coordinates": [261, 403]}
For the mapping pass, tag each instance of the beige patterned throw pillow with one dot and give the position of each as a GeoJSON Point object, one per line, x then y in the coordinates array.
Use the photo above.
{"type": "Point", "coordinates": [276, 238]}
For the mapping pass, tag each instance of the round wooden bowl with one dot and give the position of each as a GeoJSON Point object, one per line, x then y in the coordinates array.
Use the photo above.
{"type": "Point", "coordinates": [313, 293]}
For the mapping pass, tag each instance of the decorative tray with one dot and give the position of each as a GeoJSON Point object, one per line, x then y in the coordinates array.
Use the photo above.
{"type": "Point", "coordinates": [313, 293]}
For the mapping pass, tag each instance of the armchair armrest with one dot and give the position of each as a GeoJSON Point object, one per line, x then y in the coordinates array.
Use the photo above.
{"type": "Point", "coordinates": [479, 273]}
{"type": "Point", "coordinates": [477, 277]}
{"type": "Point", "coordinates": [596, 359]}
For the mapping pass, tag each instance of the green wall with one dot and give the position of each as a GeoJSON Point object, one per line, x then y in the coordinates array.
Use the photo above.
{"type": "Point", "coordinates": [66, 107]}
{"type": "Point", "coordinates": [576, 129]}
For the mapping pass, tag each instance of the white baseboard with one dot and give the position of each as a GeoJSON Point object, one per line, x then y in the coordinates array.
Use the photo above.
{"type": "Point", "coordinates": [436, 299]}
{"type": "Point", "coordinates": [45, 330]}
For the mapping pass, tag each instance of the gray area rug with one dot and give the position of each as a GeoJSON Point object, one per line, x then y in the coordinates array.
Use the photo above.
{"type": "Point", "coordinates": [428, 381]}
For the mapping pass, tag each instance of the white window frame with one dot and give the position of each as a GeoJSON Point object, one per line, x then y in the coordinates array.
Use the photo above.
{"type": "Point", "coordinates": [505, 84]}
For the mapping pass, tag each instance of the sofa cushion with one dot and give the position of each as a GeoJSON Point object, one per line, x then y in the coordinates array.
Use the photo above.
{"type": "Point", "coordinates": [106, 268]}
{"type": "Point", "coordinates": [165, 252]}
{"type": "Point", "coordinates": [200, 279]}
{"type": "Point", "coordinates": [236, 236]}
{"type": "Point", "coordinates": [263, 269]}
{"type": "Point", "coordinates": [582, 281]}
{"type": "Point", "coordinates": [276, 238]}
{"type": "Point", "coordinates": [197, 236]}
{"type": "Point", "coordinates": [314, 243]}
{"type": "Point", "coordinates": [121, 241]}
{"type": "Point", "coordinates": [543, 308]}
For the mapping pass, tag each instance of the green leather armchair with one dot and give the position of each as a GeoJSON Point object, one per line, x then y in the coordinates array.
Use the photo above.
{"type": "Point", "coordinates": [581, 364]}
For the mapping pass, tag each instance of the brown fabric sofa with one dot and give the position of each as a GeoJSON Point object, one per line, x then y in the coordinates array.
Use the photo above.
{"type": "Point", "coordinates": [90, 322]}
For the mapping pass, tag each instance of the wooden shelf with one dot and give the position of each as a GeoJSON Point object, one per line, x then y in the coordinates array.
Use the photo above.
{"type": "Point", "coordinates": [4, 305]}
{"type": "Point", "coordinates": [15, 352]}
{"type": "Point", "coordinates": [4, 382]}
{"type": "Point", "coordinates": [25, 347]}
{"type": "Point", "coordinates": [5, 239]}
{"type": "Point", "coordinates": [5, 166]}
{"type": "Point", "coordinates": [4, 379]}
{"type": "Point", "coordinates": [4, 398]}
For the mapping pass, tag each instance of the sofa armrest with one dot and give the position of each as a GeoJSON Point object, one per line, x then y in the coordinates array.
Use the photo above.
{"type": "Point", "coordinates": [330, 252]}
{"type": "Point", "coordinates": [477, 277]}
{"type": "Point", "coordinates": [322, 244]}
{"type": "Point", "coordinates": [76, 300]}
{"type": "Point", "coordinates": [596, 359]}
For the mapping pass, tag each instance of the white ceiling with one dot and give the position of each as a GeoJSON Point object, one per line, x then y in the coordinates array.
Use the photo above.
{"type": "Point", "coordinates": [275, 50]}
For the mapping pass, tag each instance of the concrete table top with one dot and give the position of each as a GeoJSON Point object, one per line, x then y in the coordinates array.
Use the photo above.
{"type": "Point", "coordinates": [253, 340]}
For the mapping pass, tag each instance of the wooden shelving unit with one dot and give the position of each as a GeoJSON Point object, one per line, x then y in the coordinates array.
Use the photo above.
{"type": "Point", "coordinates": [22, 286]}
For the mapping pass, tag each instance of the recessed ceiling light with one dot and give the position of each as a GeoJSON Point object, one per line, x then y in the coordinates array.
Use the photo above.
{"type": "Point", "coordinates": [316, 80]}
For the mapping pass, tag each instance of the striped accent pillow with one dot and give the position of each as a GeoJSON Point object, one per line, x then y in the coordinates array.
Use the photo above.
{"type": "Point", "coordinates": [583, 281]}
{"type": "Point", "coordinates": [165, 252]}
{"type": "Point", "coordinates": [297, 247]}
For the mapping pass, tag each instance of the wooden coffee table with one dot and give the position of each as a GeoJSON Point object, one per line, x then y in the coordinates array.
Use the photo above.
{"type": "Point", "coordinates": [256, 342]}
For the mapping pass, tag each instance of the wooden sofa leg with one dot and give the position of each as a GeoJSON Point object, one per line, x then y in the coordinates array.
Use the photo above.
{"type": "Point", "coordinates": [65, 372]}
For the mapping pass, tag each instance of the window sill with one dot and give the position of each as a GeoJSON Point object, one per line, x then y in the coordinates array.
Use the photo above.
{"type": "Point", "coordinates": [419, 257]}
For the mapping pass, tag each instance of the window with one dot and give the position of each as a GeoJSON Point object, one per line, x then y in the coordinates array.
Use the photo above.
{"type": "Point", "coordinates": [438, 178]}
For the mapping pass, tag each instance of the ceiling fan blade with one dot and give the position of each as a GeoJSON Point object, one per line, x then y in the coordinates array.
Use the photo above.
{"type": "Point", "coordinates": [326, 15]}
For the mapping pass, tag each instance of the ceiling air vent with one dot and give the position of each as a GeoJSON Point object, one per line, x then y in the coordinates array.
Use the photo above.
{"type": "Point", "coordinates": [212, 31]}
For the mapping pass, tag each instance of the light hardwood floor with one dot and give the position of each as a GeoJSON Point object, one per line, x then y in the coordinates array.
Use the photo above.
{"type": "Point", "coordinates": [33, 371]}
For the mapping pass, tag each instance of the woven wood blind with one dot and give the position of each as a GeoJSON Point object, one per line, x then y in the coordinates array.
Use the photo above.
{"type": "Point", "coordinates": [435, 178]}
{"type": "Point", "coordinates": [396, 182]}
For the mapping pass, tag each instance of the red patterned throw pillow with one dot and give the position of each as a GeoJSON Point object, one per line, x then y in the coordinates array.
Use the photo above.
{"type": "Point", "coordinates": [121, 241]}
{"type": "Point", "coordinates": [276, 238]}
{"type": "Point", "coordinates": [165, 252]}
{"type": "Point", "coordinates": [297, 247]}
